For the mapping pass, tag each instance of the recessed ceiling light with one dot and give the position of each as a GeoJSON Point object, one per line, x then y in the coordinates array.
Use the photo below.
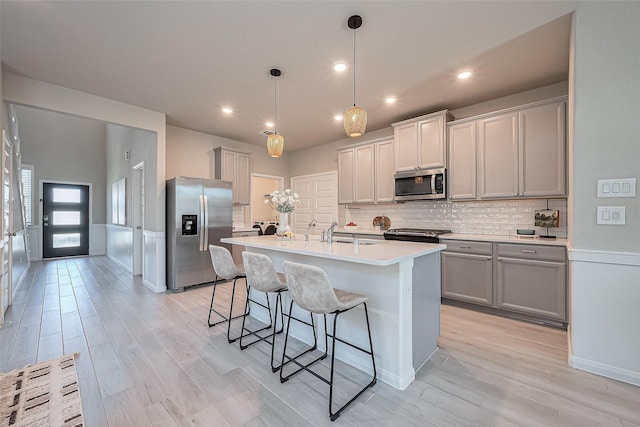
{"type": "Point", "coordinates": [268, 124]}
{"type": "Point", "coordinates": [464, 75]}
{"type": "Point", "coordinates": [390, 100]}
{"type": "Point", "coordinates": [340, 67]}
{"type": "Point", "coordinates": [338, 117]}
{"type": "Point", "coordinates": [227, 110]}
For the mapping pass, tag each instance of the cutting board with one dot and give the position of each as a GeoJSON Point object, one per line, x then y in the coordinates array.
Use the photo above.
{"type": "Point", "coordinates": [378, 219]}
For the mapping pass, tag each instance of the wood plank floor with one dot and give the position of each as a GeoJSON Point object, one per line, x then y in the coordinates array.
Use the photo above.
{"type": "Point", "coordinates": [150, 359]}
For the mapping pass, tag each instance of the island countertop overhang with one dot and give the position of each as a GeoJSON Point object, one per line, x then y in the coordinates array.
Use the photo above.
{"type": "Point", "coordinates": [381, 253]}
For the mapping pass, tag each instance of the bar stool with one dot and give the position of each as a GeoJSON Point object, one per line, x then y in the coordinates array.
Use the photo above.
{"type": "Point", "coordinates": [311, 290]}
{"type": "Point", "coordinates": [262, 276]}
{"type": "Point", "coordinates": [226, 269]}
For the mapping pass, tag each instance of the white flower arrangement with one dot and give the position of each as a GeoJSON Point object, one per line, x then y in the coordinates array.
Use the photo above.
{"type": "Point", "coordinates": [283, 202]}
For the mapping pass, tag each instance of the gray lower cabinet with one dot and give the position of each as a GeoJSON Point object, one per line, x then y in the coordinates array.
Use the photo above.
{"type": "Point", "coordinates": [532, 280]}
{"type": "Point", "coordinates": [467, 276]}
{"type": "Point", "coordinates": [516, 278]}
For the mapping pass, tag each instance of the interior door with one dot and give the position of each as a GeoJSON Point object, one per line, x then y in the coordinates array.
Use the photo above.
{"type": "Point", "coordinates": [65, 220]}
{"type": "Point", "coordinates": [318, 200]}
{"type": "Point", "coordinates": [5, 225]}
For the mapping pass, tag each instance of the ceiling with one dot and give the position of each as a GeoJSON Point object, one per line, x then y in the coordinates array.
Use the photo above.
{"type": "Point", "coordinates": [188, 59]}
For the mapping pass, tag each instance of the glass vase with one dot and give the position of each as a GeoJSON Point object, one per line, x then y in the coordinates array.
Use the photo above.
{"type": "Point", "coordinates": [283, 223]}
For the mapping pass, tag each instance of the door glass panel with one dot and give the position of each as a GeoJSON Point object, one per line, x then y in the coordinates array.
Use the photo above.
{"type": "Point", "coordinates": [66, 218]}
{"type": "Point", "coordinates": [66, 195]}
{"type": "Point", "coordinates": [68, 240]}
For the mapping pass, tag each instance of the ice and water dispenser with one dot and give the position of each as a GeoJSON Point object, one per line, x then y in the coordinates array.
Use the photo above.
{"type": "Point", "coordinates": [189, 225]}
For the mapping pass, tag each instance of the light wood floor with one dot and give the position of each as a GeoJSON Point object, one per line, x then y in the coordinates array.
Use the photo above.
{"type": "Point", "coordinates": [150, 359]}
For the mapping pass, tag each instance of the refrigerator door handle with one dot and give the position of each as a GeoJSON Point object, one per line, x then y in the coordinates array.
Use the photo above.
{"type": "Point", "coordinates": [201, 223]}
{"type": "Point", "coordinates": [206, 223]}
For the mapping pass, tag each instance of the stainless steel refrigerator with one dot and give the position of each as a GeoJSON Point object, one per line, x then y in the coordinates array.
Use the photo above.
{"type": "Point", "coordinates": [199, 213]}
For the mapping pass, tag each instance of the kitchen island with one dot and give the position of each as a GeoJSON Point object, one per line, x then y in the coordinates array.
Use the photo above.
{"type": "Point", "coordinates": [402, 281]}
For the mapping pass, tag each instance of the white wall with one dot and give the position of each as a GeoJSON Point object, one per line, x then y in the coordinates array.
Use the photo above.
{"type": "Point", "coordinates": [64, 148]}
{"type": "Point", "coordinates": [189, 154]}
{"type": "Point", "coordinates": [605, 260]}
{"type": "Point", "coordinates": [25, 91]}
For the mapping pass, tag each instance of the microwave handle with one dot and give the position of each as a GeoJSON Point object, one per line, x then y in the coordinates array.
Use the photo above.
{"type": "Point", "coordinates": [433, 183]}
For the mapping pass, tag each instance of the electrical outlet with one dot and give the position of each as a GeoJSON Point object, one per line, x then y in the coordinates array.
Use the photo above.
{"type": "Point", "coordinates": [611, 215]}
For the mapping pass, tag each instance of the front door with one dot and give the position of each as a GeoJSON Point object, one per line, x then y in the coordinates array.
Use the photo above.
{"type": "Point", "coordinates": [65, 220]}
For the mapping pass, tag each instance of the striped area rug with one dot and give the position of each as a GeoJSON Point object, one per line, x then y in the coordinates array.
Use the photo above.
{"type": "Point", "coordinates": [43, 394]}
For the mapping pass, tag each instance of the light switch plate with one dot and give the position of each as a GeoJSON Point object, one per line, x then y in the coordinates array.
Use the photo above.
{"type": "Point", "coordinates": [622, 187]}
{"type": "Point", "coordinates": [611, 215]}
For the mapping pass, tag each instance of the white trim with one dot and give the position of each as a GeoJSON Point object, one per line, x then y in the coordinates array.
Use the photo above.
{"type": "Point", "coordinates": [312, 175]}
{"type": "Point", "coordinates": [605, 370]}
{"type": "Point", "coordinates": [117, 261]}
{"type": "Point", "coordinates": [371, 141]}
{"type": "Point", "coordinates": [604, 257]}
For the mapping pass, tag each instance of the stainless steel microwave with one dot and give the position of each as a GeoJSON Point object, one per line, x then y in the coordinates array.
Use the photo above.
{"type": "Point", "coordinates": [421, 184]}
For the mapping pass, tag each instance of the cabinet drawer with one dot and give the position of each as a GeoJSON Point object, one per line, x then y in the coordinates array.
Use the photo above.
{"type": "Point", "coordinates": [532, 251]}
{"type": "Point", "coordinates": [467, 246]}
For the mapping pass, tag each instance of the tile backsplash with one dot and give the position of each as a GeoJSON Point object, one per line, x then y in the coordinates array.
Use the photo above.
{"type": "Point", "coordinates": [495, 217]}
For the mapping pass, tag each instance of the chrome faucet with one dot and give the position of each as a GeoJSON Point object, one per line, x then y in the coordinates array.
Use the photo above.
{"type": "Point", "coordinates": [330, 232]}
{"type": "Point", "coordinates": [311, 224]}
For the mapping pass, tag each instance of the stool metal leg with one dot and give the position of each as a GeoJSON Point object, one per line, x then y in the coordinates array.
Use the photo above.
{"type": "Point", "coordinates": [233, 291]}
{"type": "Point", "coordinates": [334, 415]}
{"type": "Point", "coordinates": [284, 378]}
{"type": "Point", "coordinates": [254, 332]}
{"type": "Point", "coordinates": [213, 310]}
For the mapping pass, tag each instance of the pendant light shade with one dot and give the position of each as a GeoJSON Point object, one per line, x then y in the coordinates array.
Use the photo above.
{"type": "Point", "coordinates": [275, 142]}
{"type": "Point", "coordinates": [355, 118]}
{"type": "Point", "coordinates": [275, 145]}
{"type": "Point", "coordinates": [355, 121]}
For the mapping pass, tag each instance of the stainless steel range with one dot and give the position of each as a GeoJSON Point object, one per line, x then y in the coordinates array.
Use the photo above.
{"type": "Point", "coordinates": [425, 235]}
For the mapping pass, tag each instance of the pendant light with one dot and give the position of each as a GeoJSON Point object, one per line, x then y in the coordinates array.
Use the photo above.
{"type": "Point", "coordinates": [355, 118]}
{"type": "Point", "coordinates": [275, 142]}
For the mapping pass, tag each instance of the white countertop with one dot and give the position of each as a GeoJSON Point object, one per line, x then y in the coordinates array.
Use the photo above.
{"type": "Point", "coordinates": [535, 240]}
{"type": "Point", "coordinates": [382, 252]}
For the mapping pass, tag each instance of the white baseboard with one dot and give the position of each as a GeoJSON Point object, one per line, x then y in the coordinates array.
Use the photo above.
{"type": "Point", "coordinates": [608, 371]}
{"type": "Point", "coordinates": [117, 261]}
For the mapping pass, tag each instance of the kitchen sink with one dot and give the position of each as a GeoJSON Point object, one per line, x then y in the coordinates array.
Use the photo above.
{"type": "Point", "coordinates": [360, 241]}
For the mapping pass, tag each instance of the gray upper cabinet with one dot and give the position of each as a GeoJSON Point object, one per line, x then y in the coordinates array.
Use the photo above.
{"type": "Point", "coordinates": [516, 153]}
{"type": "Point", "coordinates": [420, 143]}
{"type": "Point", "coordinates": [365, 173]}
{"type": "Point", "coordinates": [233, 166]}
{"type": "Point", "coordinates": [542, 147]}
{"type": "Point", "coordinates": [462, 161]}
{"type": "Point", "coordinates": [498, 156]}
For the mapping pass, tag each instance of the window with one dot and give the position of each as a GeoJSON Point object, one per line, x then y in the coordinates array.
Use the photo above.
{"type": "Point", "coordinates": [27, 192]}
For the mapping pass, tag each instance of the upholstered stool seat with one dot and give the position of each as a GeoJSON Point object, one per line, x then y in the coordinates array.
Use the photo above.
{"type": "Point", "coordinates": [225, 269]}
{"type": "Point", "coordinates": [311, 290]}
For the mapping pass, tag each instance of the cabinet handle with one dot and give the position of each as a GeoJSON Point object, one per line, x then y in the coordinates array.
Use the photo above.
{"type": "Point", "coordinates": [528, 251]}
{"type": "Point", "coordinates": [465, 246]}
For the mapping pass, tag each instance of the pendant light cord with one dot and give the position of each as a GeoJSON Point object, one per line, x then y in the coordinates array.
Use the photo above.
{"type": "Point", "coordinates": [275, 102]}
{"type": "Point", "coordinates": [354, 67]}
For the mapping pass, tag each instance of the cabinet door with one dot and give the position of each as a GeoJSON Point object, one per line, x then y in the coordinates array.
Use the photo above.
{"type": "Point", "coordinates": [385, 185]}
{"type": "Point", "coordinates": [498, 156]}
{"type": "Point", "coordinates": [431, 144]}
{"type": "Point", "coordinates": [228, 170]}
{"type": "Point", "coordinates": [462, 161]}
{"type": "Point", "coordinates": [532, 287]}
{"type": "Point", "coordinates": [542, 150]}
{"type": "Point", "coordinates": [406, 147]}
{"type": "Point", "coordinates": [242, 179]}
{"type": "Point", "coordinates": [364, 174]}
{"type": "Point", "coordinates": [346, 172]}
{"type": "Point", "coordinates": [467, 277]}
